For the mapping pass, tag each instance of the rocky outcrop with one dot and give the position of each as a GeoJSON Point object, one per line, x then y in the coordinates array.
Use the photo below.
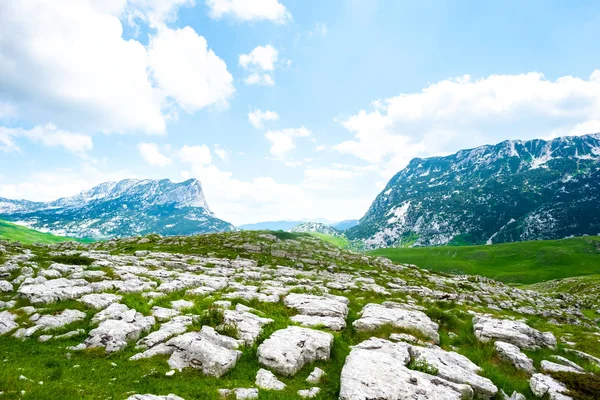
{"type": "Point", "coordinates": [374, 316]}
{"type": "Point", "coordinates": [515, 332]}
{"type": "Point", "coordinates": [327, 311]}
{"type": "Point", "coordinates": [543, 385]}
{"type": "Point", "coordinates": [511, 353]}
{"type": "Point", "coordinates": [286, 351]}
{"type": "Point", "coordinates": [268, 381]}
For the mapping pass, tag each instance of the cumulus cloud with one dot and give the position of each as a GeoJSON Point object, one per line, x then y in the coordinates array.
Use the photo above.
{"type": "Point", "coordinates": [222, 153]}
{"type": "Point", "coordinates": [257, 117]}
{"type": "Point", "coordinates": [48, 135]}
{"type": "Point", "coordinates": [464, 112]}
{"type": "Point", "coordinates": [68, 62]}
{"type": "Point", "coordinates": [283, 141]}
{"type": "Point", "coordinates": [261, 63]}
{"type": "Point", "coordinates": [151, 153]}
{"type": "Point", "coordinates": [249, 10]}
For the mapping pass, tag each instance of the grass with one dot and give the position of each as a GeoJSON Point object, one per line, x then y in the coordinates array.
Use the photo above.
{"type": "Point", "coordinates": [339, 241]}
{"type": "Point", "coordinates": [513, 263]}
{"type": "Point", "coordinates": [10, 231]}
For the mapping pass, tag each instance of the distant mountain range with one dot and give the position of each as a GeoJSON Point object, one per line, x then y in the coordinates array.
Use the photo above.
{"type": "Point", "coordinates": [317, 227]}
{"type": "Point", "coordinates": [270, 226]}
{"type": "Point", "coordinates": [118, 209]}
{"type": "Point", "coordinates": [512, 191]}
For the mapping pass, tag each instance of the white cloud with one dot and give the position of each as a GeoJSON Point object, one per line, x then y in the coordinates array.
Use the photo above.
{"type": "Point", "coordinates": [259, 79]}
{"type": "Point", "coordinates": [249, 10]}
{"type": "Point", "coordinates": [187, 70]}
{"type": "Point", "coordinates": [151, 153]}
{"type": "Point", "coordinates": [67, 61]}
{"type": "Point", "coordinates": [198, 155]}
{"type": "Point", "coordinates": [262, 57]}
{"type": "Point", "coordinates": [320, 148]}
{"type": "Point", "coordinates": [48, 135]}
{"type": "Point", "coordinates": [284, 140]}
{"type": "Point", "coordinates": [261, 63]}
{"type": "Point", "coordinates": [320, 29]}
{"type": "Point", "coordinates": [463, 112]}
{"type": "Point", "coordinates": [222, 153]}
{"type": "Point", "coordinates": [257, 117]}
{"type": "Point", "coordinates": [7, 110]}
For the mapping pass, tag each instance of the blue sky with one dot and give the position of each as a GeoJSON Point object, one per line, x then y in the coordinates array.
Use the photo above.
{"type": "Point", "coordinates": [284, 109]}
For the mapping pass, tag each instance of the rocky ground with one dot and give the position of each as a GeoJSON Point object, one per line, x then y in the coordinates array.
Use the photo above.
{"type": "Point", "coordinates": [276, 315]}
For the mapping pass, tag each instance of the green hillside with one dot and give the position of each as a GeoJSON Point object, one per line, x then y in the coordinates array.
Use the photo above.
{"type": "Point", "coordinates": [28, 236]}
{"type": "Point", "coordinates": [515, 263]}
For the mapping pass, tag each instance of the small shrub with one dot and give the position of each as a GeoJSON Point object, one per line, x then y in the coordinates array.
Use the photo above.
{"type": "Point", "coordinates": [214, 317]}
{"type": "Point", "coordinates": [74, 259]}
{"type": "Point", "coordinates": [228, 330]}
{"type": "Point", "coordinates": [581, 386]}
{"type": "Point", "coordinates": [423, 366]}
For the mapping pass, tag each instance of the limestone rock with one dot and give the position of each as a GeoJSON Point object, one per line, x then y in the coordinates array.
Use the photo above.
{"type": "Point", "coordinates": [7, 322]}
{"type": "Point", "coordinates": [515, 332]}
{"type": "Point", "coordinates": [290, 349]}
{"type": "Point", "coordinates": [154, 397]}
{"type": "Point", "coordinates": [513, 354]}
{"type": "Point", "coordinates": [376, 369]}
{"type": "Point", "coordinates": [309, 393]}
{"type": "Point", "coordinates": [542, 385]}
{"type": "Point", "coordinates": [206, 350]}
{"type": "Point", "coordinates": [315, 376]}
{"type": "Point", "coordinates": [268, 381]}
{"type": "Point", "coordinates": [248, 325]}
{"type": "Point", "coordinates": [239, 393]}
{"type": "Point", "coordinates": [99, 301]}
{"type": "Point", "coordinates": [48, 322]}
{"type": "Point", "coordinates": [375, 316]}
{"type": "Point", "coordinates": [549, 366]}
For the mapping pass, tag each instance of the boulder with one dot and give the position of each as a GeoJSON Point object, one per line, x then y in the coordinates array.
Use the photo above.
{"type": "Point", "coordinates": [113, 334]}
{"type": "Point", "coordinates": [515, 332]}
{"type": "Point", "coordinates": [375, 316]}
{"type": "Point", "coordinates": [208, 351]}
{"type": "Point", "coordinates": [543, 385]}
{"type": "Point", "coordinates": [99, 301]}
{"type": "Point", "coordinates": [456, 368]}
{"type": "Point", "coordinates": [7, 322]}
{"type": "Point", "coordinates": [268, 381]}
{"type": "Point", "coordinates": [309, 393]}
{"type": "Point", "coordinates": [315, 376]}
{"type": "Point", "coordinates": [376, 369]}
{"type": "Point", "coordinates": [248, 325]}
{"type": "Point", "coordinates": [511, 353]}
{"type": "Point", "coordinates": [5, 287]}
{"type": "Point", "coordinates": [549, 366]}
{"type": "Point", "coordinates": [48, 322]}
{"type": "Point", "coordinates": [287, 350]}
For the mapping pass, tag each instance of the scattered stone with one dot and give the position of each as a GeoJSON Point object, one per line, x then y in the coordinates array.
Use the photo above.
{"type": "Point", "coordinates": [154, 397]}
{"type": "Point", "coordinates": [290, 349]}
{"type": "Point", "coordinates": [7, 322]}
{"type": "Point", "coordinates": [511, 353]}
{"type": "Point", "coordinates": [267, 380]}
{"type": "Point", "coordinates": [515, 332]}
{"type": "Point", "coordinates": [55, 290]}
{"type": "Point", "coordinates": [549, 366]}
{"type": "Point", "coordinates": [100, 301]}
{"type": "Point", "coordinates": [513, 396]}
{"type": "Point", "coordinates": [328, 311]}
{"type": "Point", "coordinates": [542, 385]}
{"type": "Point", "coordinates": [248, 325]}
{"type": "Point", "coordinates": [375, 316]}
{"type": "Point", "coordinates": [49, 322]}
{"type": "Point", "coordinates": [315, 376]}
{"type": "Point", "coordinates": [206, 350]}
{"type": "Point", "coordinates": [309, 393]}
{"type": "Point", "coordinates": [163, 314]}
{"type": "Point", "coordinates": [5, 287]}
{"type": "Point", "coordinates": [239, 393]}
{"type": "Point", "coordinates": [181, 304]}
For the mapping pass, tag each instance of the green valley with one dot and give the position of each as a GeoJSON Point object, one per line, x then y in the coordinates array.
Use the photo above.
{"type": "Point", "coordinates": [9, 231]}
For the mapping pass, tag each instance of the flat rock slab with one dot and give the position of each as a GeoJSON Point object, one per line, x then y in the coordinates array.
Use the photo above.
{"type": "Point", "coordinates": [208, 351]}
{"type": "Point", "coordinates": [290, 349]}
{"type": "Point", "coordinates": [239, 393]}
{"type": "Point", "coordinates": [456, 368]}
{"type": "Point", "coordinates": [114, 334]}
{"type": "Point", "coordinates": [322, 306]}
{"type": "Point", "coordinates": [99, 301]}
{"type": "Point", "coordinates": [375, 316]}
{"type": "Point", "coordinates": [511, 353]}
{"type": "Point", "coordinates": [549, 366]}
{"type": "Point", "coordinates": [310, 321]}
{"type": "Point", "coordinates": [249, 325]}
{"type": "Point", "coordinates": [55, 290]}
{"type": "Point", "coordinates": [515, 332]}
{"type": "Point", "coordinates": [154, 397]}
{"type": "Point", "coordinates": [268, 381]}
{"type": "Point", "coordinates": [376, 369]}
{"type": "Point", "coordinates": [543, 385]}
{"type": "Point", "coordinates": [48, 322]}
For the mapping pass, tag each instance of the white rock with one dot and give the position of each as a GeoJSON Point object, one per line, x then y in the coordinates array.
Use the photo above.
{"type": "Point", "coordinates": [48, 322]}
{"type": "Point", "coordinates": [154, 397]}
{"type": "Point", "coordinates": [7, 322]}
{"type": "Point", "coordinates": [542, 385]}
{"type": "Point", "coordinates": [376, 369]}
{"type": "Point", "coordinates": [181, 304]}
{"type": "Point", "coordinates": [565, 361]}
{"type": "Point", "coordinates": [315, 376]}
{"type": "Point", "coordinates": [163, 314]}
{"type": "Point", "coordinates": [310, 321]}
{"type": "Point", "coordinates": [267, 380]}
{"type": "Point", "coordinates": [248, 325]}
{"type": "Point", "coordinates": [322, 306]}
{"type": "Point", "coordinates": [549, 366]}
{"type": "Point", "coordinates": [511, 353]}
{"type": "Point", "coordinates": [206, 350]}
{"type": "Point", "coordinates": [513, 396]}
{"type": "Point", "coordinates": [290, 349]}
{"type": "Point", "coordinates": [55, 290]}
{"type": "Point", "coordinates": [456, 368]}
{"type": "Point", "coordinates": [515, 332]}
{"type": "Point", "coordinates": [375, 316]}
{"type": "Point", "coordinates": [309, 393]}
{"type": "Point", "coordinates": [5, 287]}
{"type": "Point", "coordinates": [240, 393]}
{"type": "Point", "coordinates": [99, 301]}
{"type": "Point", "coordinates": [167, 330]}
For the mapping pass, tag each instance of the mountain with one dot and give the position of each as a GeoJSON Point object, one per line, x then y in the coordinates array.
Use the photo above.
{"type": "Point", "coordinates": [512, 191]}
{"type": "Point", "coordinates": [343, 225]}
{"type": "Point", "coordinates": [317, 227]}
{"type": "Point", "coordinates": [270, 226]}
{"type": "Point", "coordinates": [119, 209]}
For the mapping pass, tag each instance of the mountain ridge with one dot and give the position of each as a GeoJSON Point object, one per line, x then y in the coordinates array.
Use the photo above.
{"type": "Point", "coordinates": [126, 208]}
{"type": "Point", "coordinates": [512, 191]}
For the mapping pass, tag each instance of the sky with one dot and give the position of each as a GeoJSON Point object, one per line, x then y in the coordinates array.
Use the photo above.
{"type": "Point", "coordinates": [283, 109]}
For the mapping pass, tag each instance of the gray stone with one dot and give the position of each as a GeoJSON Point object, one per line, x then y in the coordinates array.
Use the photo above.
{"type": "Point", "coordinates": [511, 353]}
{"type": "Point", "coordinates": [268, 381]}
{"type": "Point", "coordinates": [7, 322]}
{"type": "Point", "coordinates": [309, 393]}
{"type": "Point", "coordinates": [99, 301]}
{"type": "Point", "coordinates": [290, 349]}
{"type": "Point", "coordinates": [515, 332]}
{"type": "Point", "coordinates": [315, 376]}
{"type": "Point", "coordinates": [549, 366]}
{"type": "Point", "coordinates": [154, 397]}
{"type": "Point", "coordinates": [542, 385]}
